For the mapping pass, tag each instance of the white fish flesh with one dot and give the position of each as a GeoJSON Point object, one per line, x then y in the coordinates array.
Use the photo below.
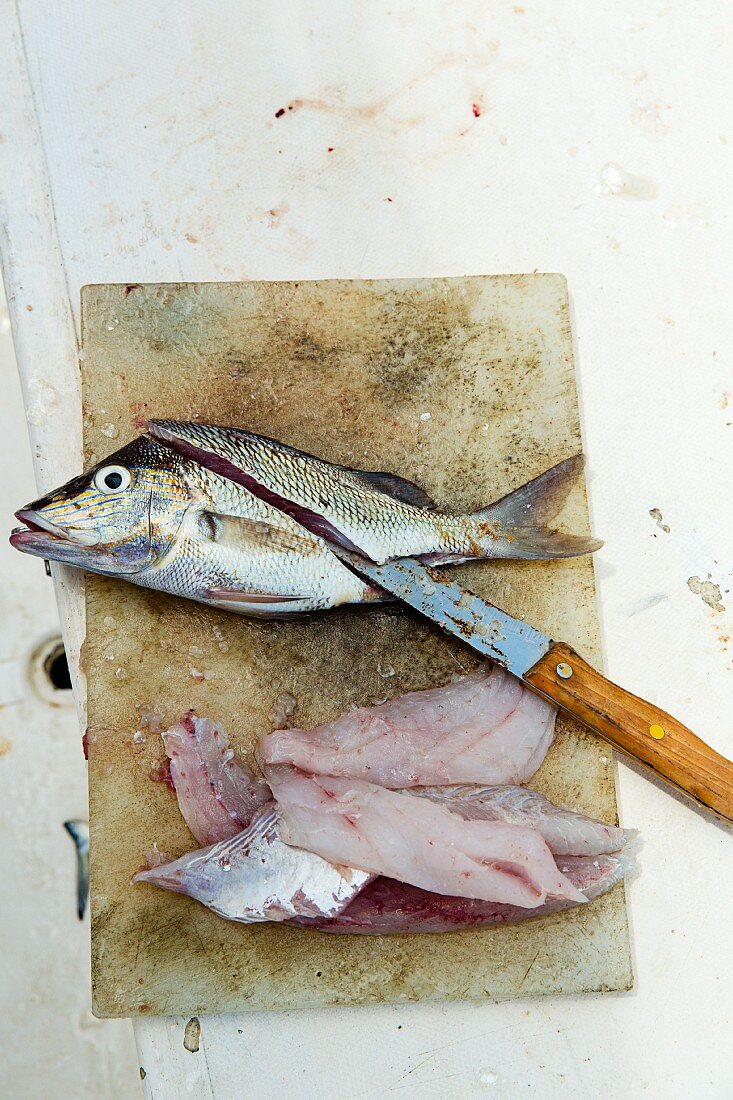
{"type": "Point", "coordinates": [386, 907]}
{"type": "Point", "coordinates": [565, 832]}
{"type": "Point", "coordinates": [483, 728]}
{"type": "Point", "coordinates": [354, 823]}
{"type": "Point", "coordinates": [254, 877]}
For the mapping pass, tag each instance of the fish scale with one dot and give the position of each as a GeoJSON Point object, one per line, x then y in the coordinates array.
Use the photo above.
{"type": "Point", "coordinates": [376, 514]}
{"type": "Point", "coordinates": [333, 492]}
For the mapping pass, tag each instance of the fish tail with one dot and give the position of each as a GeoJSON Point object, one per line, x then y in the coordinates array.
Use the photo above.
{"type": "Point", "coordinates": [518, 525]}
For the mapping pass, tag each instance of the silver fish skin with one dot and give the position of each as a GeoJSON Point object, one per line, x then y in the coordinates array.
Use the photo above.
{"type": "Point", "coordinates": [254, 876]}
{"type": "Point", "coordinates": [150, 516]}
{"type": "Point", "coordinates": [379, 515]}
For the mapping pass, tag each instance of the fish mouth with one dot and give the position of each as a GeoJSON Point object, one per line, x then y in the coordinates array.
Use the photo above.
{"type": "Point", "coordinates": [39, 535]}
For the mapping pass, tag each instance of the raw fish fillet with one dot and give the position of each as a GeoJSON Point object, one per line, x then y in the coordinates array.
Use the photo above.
{"type": "Point", "coordinates": [483, 728]}
{"type": "Point", "coordinates": [217, 795]}
{"type": "Point", "coordinates": [357, 824]}
{"type": "Point", "coordinates": [254, 877]}
{"type": "Point", "coordinates": [566, 832]}
{"type": "Point", "coordinates": [385, 907]}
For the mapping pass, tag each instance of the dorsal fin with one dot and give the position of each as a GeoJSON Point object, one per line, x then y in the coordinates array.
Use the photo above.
{"type": "Point", "coordinates": [397, 487]}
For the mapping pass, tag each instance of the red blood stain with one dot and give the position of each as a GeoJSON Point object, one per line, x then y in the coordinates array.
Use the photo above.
{"type": "Point", "coordinates": [85, 744]}
{"type": "Point", "coordinates": [188, 722]}
{"type": "Point", "coordinates": [130, 287]}
{"type": "Point", "coordinates": [330, 149]}
{"type": "Point", "coordinates": [388, 199]}
{"type": "Point", "coordinates": [476, 108]}
{"type": "Point", "coordinates": [280, 113]}
{"type": "Point", "coordinates": [139, 418]}
{"type": "Point", "coordinates": [162, 774]}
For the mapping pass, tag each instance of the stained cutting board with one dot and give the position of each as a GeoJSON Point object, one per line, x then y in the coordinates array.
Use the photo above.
{"type": "Point", "coordinates": [464, 385]}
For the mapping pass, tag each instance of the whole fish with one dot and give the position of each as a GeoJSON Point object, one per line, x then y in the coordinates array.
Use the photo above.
{"type": "Point", "coordinates": [167, 515]}
{"type": "Point", "coordinates": [379, 515]}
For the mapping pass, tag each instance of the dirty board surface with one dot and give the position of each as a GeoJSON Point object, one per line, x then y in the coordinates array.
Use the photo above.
{"type": "Point", "coordinates": [348, 370]}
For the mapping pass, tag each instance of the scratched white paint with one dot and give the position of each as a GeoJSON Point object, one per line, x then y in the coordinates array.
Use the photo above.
{"type": "Point", "coordinates": [166, 161]}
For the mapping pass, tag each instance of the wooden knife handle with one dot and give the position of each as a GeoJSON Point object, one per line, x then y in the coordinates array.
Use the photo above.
{"type": "Point", "coordinates": [635, 727]}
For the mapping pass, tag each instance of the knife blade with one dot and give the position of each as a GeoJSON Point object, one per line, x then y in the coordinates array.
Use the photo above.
{"type": "Point", "coordinates": [556, 671]}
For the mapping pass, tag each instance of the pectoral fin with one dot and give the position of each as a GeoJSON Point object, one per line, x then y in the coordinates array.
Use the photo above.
{"type": "Point", "coordinates": [259, 536]}
{"type": "Point", "coordinates": [258, 605]}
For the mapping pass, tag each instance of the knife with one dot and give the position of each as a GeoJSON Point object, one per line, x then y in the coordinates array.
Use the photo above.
{"type": "Point", "coordinates": [556, 671]}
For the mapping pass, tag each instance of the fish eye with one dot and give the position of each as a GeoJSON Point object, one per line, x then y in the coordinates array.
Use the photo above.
{"type": "Point", "coordinates": [112, 479]}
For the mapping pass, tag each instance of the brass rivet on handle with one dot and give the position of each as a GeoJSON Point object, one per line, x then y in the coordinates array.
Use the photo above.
{"type": "Point", "coordinates": [564, 670]}
{"type": "Point", "coordinates": [657, 732]}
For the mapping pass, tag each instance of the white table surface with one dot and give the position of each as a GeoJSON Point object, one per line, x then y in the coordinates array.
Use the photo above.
{"type": "Point", "coordinates": [140, 143]}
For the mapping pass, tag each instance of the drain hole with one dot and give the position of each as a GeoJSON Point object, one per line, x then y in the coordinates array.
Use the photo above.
{"type": "Point", "coordinates": [56, 668]}
{"type": "Point", "coordinates": [48, 671]}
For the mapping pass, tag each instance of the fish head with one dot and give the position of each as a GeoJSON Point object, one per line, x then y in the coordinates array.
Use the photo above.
{"type": "Point", "coordinates": [118, 518]}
